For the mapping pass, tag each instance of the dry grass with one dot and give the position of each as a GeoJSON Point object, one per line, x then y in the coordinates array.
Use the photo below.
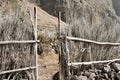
{"type": "Point", "coordinates": [105, 30]}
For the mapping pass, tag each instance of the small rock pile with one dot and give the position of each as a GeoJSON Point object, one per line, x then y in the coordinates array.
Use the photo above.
{"type": "Point", "coordinates": [106, 72]}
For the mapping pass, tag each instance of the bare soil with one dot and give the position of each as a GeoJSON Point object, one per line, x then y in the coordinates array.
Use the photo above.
{"type": "Point", "coordinates": [48, 66]}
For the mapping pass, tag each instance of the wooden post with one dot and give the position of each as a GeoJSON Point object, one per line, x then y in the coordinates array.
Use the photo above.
{"type": "Point", "coordinates": [35, 32]}
{"type": "Point", "coordinates": [67, 53]}
{"type": "Point", "coordinates": [90, 55]}
{"type": "Point", "coordinates": [68, 58]}
{"type": "Point", "coordinates": [59, 45]}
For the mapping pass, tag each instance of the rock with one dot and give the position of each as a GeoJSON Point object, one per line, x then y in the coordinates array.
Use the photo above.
{"type": "Point", "coordinates": [86, 73]}
{"type": "Point", "coordinates": [115, 66]}
{"type": "Point", "coordinates": [92, 76]}
{"type": "Point", "coordinates": [56, 76]}
{"type": "Point", "coordinates": [73, 78]}
{"type": "Point", "coordinates": [106, 69]}
{"type": "Point", "coordinates": [112, 74]}
{"type": "Point", "coordinates": [82, 78]}
{"type": "Point", "coordinates": [105, 76]}
{"type": "Point", "coordinates": [118, 75]}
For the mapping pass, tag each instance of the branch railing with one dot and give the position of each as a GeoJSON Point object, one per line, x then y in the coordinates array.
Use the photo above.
{"type": "Point", "coordinates": [16, 70]}
{"type": "Point", "coordinates": [19, 42]}
{"type": "Point", "coordinates": [35, 41]}
{"type": "Point", "coordinates": [92, 62]}
{"type": "Point", "coordinates": [70, 63]}
{"type": "Point", "coordinates": [89, 41]}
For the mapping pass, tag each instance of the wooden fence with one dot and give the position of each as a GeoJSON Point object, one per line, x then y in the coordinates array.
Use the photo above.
{"type": "Point", "coordinates": [28, 68]}
{"type": "Point", "coordinates": [66, 56]}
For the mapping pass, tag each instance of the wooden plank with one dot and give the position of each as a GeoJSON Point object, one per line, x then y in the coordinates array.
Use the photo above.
{"type": "Point", "coordinates": [19, 42]}
{"type": "Point", "coordinates": [91, 41]}
{"type": "Point", "coordinates": [92, 62]}
{"type": "Point", "coordinates": [16, 70]}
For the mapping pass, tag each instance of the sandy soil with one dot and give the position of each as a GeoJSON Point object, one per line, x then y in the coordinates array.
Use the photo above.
{"type": "Point", "coordinates": [48, 66]}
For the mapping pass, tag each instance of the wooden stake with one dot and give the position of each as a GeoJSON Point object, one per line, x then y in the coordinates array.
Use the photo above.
{"type": "Point", "coordinates": [90, 54]}
{"type": "Point", "coordinates": [59, 45]}
{"type": "Point", "coordinates": [35, 32]}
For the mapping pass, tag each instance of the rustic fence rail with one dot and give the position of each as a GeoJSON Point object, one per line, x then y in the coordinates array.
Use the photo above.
{"type": "Point", "coordinates": [17, 70]}
{"type": "Point", "coordinates": [92, 62]}
{"type": "Point", "coordinates": [91, 41]}
{"type": "Point", "coordinates": [19, 42]}
{"type": "Point", "coordinates": [33, 65]}
{"type": "Point", "coordinates": [67, 55]}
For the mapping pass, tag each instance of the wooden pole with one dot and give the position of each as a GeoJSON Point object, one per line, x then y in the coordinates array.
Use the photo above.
{"type": "Point", "coordinates": [17, 70]}
{"type": "Point", "coordinates": [67, 53]}
{"type": "Point", "coordinates": [35, 32]}
{"type": "Point", "coordinates": [68, 58]}
{"type": "Point", "coordinates": [92, 62]}
{"type": "Point", "coordinates": [19, 42]}
{"type": "Point", "coordinates": [91, 41]}
{"type": "Point", "coordinates": [59, 45]}
{"type": "Point", "coordinates": [90, 55]}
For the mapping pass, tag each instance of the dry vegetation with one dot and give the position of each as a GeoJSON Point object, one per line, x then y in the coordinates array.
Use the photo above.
{"type": "Point", "coordinates": [16, 25]}
{"type": "Point", "coordinates": [101, 25]}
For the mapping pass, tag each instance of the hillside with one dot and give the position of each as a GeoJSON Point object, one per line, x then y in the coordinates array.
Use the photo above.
{"type": "Point", "coordinates": [90, 19]}
{"type": "Point", "coordinates": [96, 20]}
{"type": "Point", "coordinates": [83, 17]}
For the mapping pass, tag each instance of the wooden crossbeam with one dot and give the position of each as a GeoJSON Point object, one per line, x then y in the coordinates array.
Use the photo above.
{"type": "Point", "coordinates": [92, 62]}
{"type": "Point", "coordinates": [16, 70]}
{"type": "Point", "coordinates": [19, 42]}
{"type": "Point", "coordinates": [91, 41]}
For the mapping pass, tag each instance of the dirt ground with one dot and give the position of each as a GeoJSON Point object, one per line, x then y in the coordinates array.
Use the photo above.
{"type": "Point", "coordinates": [48, 66]}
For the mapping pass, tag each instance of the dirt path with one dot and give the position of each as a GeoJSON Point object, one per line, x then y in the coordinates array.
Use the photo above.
{"type": "Point", "coordinates": [48, 66]}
